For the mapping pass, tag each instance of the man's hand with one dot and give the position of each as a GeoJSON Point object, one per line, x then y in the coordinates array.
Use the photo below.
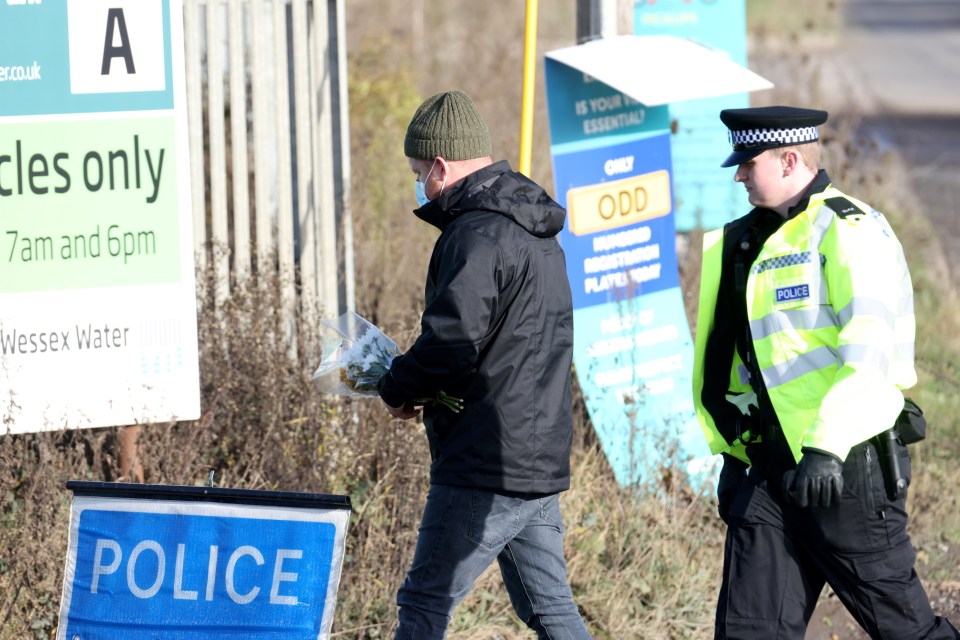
{"type": "Point", "coordinates": [404, 412]}
{"type": "Point", "coordinates": [818, 480]}
{"type": "Point", "coordinates": [732, 475]}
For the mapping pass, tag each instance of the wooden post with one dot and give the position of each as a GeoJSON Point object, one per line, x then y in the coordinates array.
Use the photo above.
{"type": "Point", "coordinates": [130, 468]}
{"type": "Point", "coordinates": [624, 17]}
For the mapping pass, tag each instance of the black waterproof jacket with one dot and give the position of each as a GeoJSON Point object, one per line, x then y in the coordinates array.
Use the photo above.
{"type": "Point", "coordinates": [497, 331]}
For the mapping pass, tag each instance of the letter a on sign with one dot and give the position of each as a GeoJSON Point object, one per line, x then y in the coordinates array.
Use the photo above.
{"type": "Point", "coordinates": [117, 45]}
{"type": "Point", "coordinates": [115, 19]}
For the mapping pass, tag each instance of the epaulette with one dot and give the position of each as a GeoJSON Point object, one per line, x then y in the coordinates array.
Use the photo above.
{"type": "Point", "coordinates": [843, 207]}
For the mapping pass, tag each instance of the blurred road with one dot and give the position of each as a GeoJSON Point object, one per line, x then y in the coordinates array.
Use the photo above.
{"type": "Point", "coordinates": [902, 58]}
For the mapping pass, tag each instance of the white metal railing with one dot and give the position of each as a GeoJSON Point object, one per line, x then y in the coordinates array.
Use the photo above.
{"type": "Point", "coordinates": [266, 97]}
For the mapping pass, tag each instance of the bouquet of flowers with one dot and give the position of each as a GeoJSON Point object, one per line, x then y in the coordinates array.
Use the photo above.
{"type": "Point", "coordinates": [363, 354]}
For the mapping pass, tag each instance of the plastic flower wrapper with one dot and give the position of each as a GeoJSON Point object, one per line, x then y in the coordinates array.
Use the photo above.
{"type": "Point", "coordinates": [353, 365]}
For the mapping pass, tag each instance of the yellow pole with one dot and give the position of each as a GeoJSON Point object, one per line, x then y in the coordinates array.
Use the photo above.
{"type": "Point", "coordinates": [529, 74]}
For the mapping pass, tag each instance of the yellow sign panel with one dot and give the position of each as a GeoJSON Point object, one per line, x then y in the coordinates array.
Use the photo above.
{"type": "Point", "coordinates": [608, 205]}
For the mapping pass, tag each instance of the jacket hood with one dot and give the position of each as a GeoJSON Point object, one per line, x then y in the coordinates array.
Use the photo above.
{"type": "Point", "coordinates": [498, 189]}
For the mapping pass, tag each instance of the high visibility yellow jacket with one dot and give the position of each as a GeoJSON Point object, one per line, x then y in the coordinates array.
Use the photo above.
{"type": "Point", "coordinates": [830, 308]}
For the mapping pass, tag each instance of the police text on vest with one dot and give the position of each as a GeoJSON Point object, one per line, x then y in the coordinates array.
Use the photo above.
{"type": "Point", "coordinates": [796, 292]}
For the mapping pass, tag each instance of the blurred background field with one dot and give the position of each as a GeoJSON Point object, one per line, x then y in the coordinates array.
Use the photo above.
{"type": "Point", "coordinates": [644, 562]}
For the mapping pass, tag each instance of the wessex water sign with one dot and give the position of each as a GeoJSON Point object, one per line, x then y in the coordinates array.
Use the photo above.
{"type": "Point", "coordinates": [148, 561]}
{"type": "Point", "coordinates": [97, 294]}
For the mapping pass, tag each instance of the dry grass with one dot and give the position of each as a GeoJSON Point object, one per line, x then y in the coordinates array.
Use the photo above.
{"type": "Point", "coordinates": [816, 21]}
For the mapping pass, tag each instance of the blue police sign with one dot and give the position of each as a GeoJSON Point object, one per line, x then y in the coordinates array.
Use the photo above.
{"type": "Point", "coordinates": [186, 562]}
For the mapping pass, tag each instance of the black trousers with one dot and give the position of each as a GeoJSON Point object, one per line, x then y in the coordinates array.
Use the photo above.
{"type": "Point", "coordinates": [777, 557]}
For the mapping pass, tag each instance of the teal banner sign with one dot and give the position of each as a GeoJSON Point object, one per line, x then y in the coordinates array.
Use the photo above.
{"type": "Point", "coordinates": [705, 194]}
{"type": "Point", "coordinates": [632, 348]}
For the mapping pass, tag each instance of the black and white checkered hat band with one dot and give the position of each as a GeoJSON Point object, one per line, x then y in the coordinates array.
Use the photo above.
{"type": "Point", "coordinates": [753, 138]}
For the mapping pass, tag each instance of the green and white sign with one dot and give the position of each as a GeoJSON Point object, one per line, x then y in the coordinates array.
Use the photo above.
{"type": "Point", "coordinates": [97, 292]}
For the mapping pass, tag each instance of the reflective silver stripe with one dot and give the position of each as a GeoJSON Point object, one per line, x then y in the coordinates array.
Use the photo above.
{"type": "Point", "coordinates": [819, 317]}
{"type": "Point", "coordinates": [865, 354]}
{"type": "Point", "coordinates": [905, 351]}
{"type": "Point", "coordinates": [803, 364]}
{"type": "Point", "coordinates": [822, 288]}
{"type": "Point", "coordinates": [825, 215]}
{"type": "Point", "coordinates": [906, 305]}
{"type": "Point", "coordinates": [906, 297]}
{"type": "Point", "coordinates": [822, 222]}
{"type": "Point", "coordinates": [859, 306]}
{"type": "Point", "coordinates": [822, 357]}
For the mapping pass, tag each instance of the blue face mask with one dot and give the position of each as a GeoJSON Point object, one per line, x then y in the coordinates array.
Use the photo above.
{"type": "Point", "coordinates": [422, 198]}
{"type": "Point", "coordinates": [421, 188]}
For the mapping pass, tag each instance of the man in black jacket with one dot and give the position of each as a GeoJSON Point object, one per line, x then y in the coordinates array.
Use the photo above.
{"type": "Point", "coordinates": [497, 332]}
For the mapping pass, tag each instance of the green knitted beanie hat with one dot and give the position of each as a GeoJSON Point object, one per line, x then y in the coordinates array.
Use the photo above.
{"type": "Point", "coordinates": [447, 125]}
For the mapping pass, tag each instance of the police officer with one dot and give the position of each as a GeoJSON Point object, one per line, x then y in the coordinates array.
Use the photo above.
{"type": "Point", "coordinates": [804, 346]}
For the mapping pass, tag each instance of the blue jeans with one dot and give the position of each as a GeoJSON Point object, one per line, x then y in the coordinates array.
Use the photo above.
{"type": "Point", "coordinates": [462, 531]}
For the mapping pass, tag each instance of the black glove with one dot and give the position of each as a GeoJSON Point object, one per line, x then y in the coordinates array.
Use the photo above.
{"type": "Point", "coordinates": [732, 475]}
{"type": "Point", "coordinates": [818, 480]}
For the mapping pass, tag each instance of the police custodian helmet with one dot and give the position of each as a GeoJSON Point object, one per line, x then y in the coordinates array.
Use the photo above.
{"type": "Point", "coordinates": [754, 130]}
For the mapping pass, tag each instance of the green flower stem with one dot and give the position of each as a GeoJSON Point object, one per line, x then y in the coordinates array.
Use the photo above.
{"type": "Point", "coordinates": [443, 400]}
